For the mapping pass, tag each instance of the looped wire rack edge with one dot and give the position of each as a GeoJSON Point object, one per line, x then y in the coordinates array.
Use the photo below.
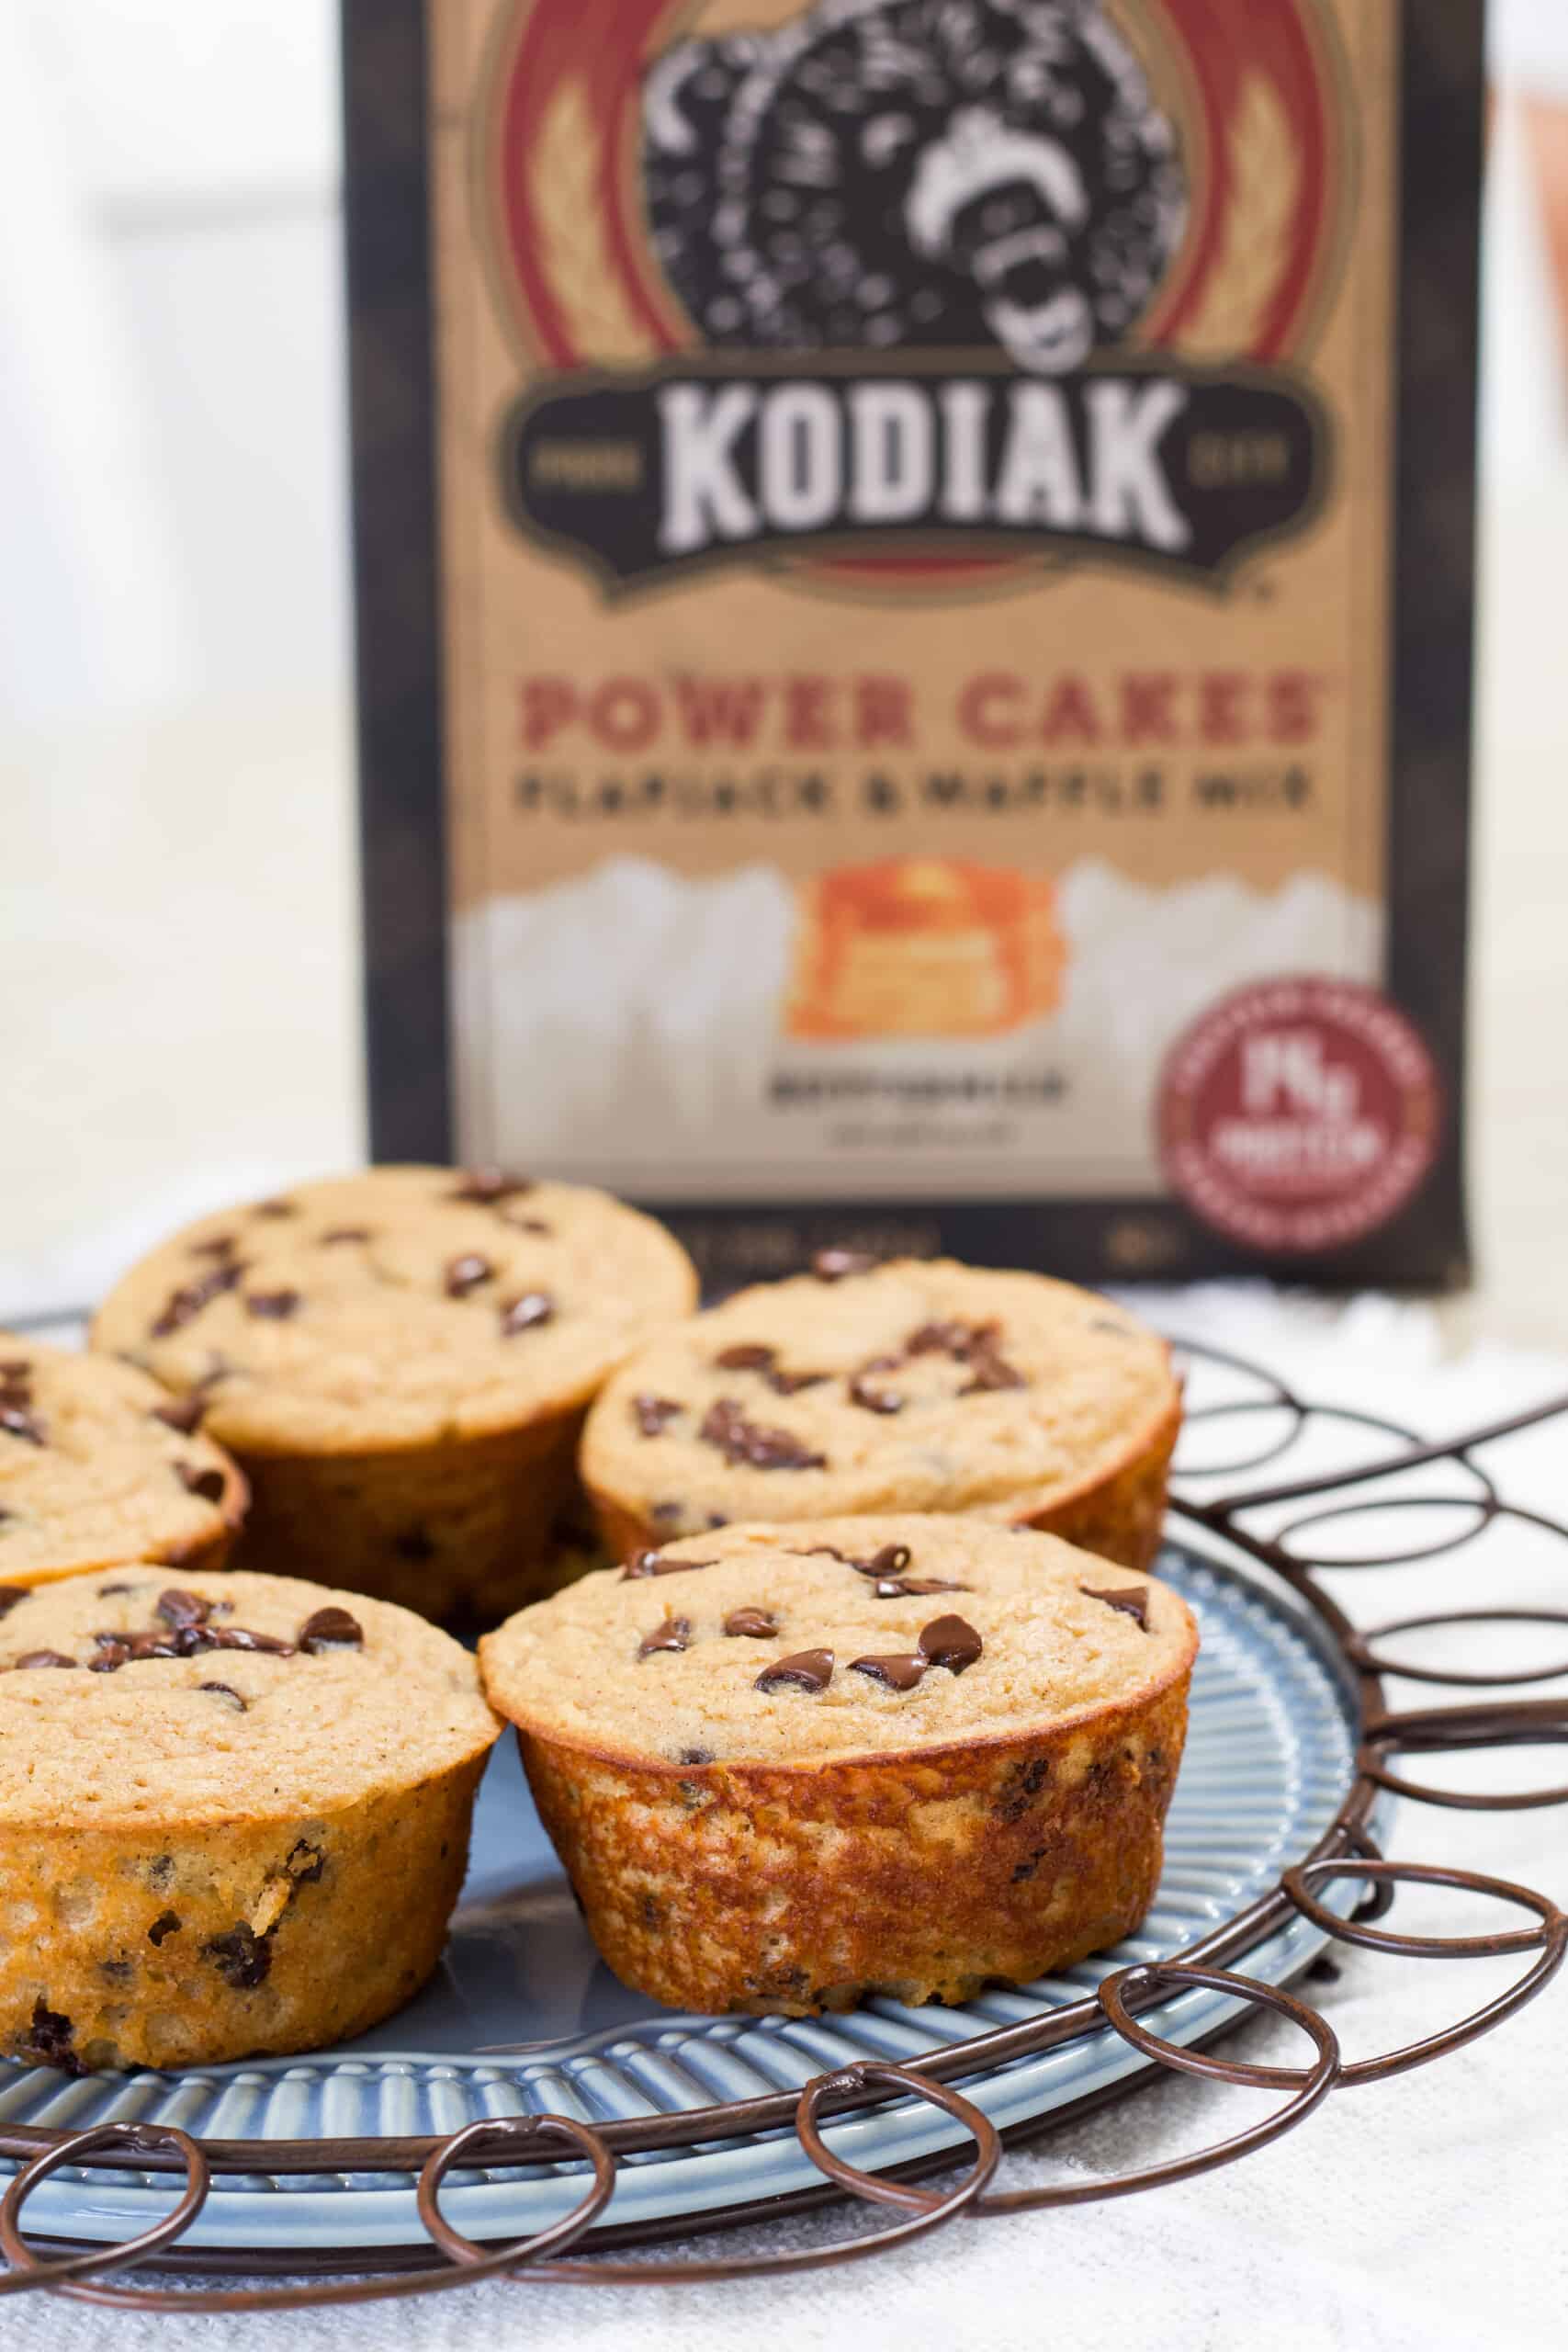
{"type": "Point", "coordinates": [1202, 1501]}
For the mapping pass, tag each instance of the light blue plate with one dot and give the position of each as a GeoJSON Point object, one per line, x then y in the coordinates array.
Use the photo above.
{"type": "Point", "coordinates": [524, 2017]}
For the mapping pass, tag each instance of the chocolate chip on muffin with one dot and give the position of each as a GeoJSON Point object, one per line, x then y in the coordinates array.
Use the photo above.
{"type": "Point", "coordinates": [331, 1629]}
{"type": "Point", "coordinates": [837, 1265]}
{"type": "Point", "coordinates": [653, 1414]}
{"type": "Point", "coordinates": [950, 1642]}
{"type": "Point", "coordinates": [526, 1313]}
{"type": "Point", "coordinates": [273, 1306]}
{"type": "Point", "coordinates": [182, 1413]}
{"type": "Point", "coordinates": [725, 1426]}
{"type": "Point", "coordinates": [1131, 1599]}
{"type": "Point", "coordinates": [186, 1301]}
{"type": "Point", "coordinates": [486, 1186]}
{"type": "Point", "coordinates": [751, 1624]}
{"type": "Point", "coordinates": [467, 1272]}
{"type": "Point", "coordinates": [901, 1671]}
{"type": "Point", "coordinates": [675, 1634]}
{"type": "Point", "coordinates": [804, 1670]}
{"type": "Point", "coordinates": [654, 1564]}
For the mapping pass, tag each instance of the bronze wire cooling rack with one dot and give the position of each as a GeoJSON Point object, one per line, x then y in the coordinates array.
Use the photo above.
{"type": "Point", "coordinates": [1346, 1851]}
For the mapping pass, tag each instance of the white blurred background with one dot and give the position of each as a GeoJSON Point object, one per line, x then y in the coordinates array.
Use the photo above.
{"type": "Point", "coordinates": [178, 922]}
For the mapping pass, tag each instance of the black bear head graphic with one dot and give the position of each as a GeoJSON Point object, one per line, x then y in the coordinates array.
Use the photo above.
{"type": "Point", "coordinates": [887, 173]}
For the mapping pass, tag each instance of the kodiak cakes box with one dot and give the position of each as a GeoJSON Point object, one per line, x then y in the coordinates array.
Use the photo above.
{"type": "Point", "coordinates": [914, 587]}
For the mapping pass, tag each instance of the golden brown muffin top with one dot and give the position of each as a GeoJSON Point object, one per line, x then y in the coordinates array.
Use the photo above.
{"type": "Point", "coordinates": [130, 1699]}
{"type": "Point", "coordinates": [97, 1463]}
{"type": "Point", "coordinates": [803, 1643]}
{"type": "Point", "coordinates": [397, 1308]}
{"type": "Point", "coordinates": [921, 1385]}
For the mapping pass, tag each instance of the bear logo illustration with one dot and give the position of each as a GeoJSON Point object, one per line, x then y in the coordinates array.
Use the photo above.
{"type": "Point", "coordinates": [882, 173]}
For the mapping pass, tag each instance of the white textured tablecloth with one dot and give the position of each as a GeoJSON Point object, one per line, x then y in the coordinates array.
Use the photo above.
{"type": "Point", "coordinates": [1416, 2215]}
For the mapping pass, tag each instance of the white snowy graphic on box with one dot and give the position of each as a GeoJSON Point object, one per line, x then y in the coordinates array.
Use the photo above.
{"type": "Point", "coordinates": [640, 1028]}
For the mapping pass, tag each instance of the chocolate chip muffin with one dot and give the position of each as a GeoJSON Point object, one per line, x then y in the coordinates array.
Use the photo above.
{"type": "Point", "coordinates": [97, 1463]}
{"type": "Point", "coordinates": [402, 1361]}
{"type": "Point", "coordinates": [233, 1815]}
{"type": "Point", "coordinates": [789, 1765]}
{"type": "Point", "coordinates": [917, 1386]}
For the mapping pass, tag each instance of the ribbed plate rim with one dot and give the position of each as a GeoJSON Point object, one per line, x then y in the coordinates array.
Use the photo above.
{"type": "Point", "coordinates": [337, 2211]}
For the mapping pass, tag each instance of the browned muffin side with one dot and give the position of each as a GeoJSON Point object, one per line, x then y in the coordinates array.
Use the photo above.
{"type": "Point", "coordinates": [233, 1814]}
{"type": "Point", "coordinates": [789, 1765]}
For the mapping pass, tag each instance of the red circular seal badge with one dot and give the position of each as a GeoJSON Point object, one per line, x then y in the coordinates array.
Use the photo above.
{"type": "Point", "coordinates": [1299, 1115]}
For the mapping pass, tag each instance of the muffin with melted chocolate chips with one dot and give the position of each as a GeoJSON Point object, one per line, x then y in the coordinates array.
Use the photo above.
{"type": "Point", "coordinates": [97, 1463]}
{"type": "Point", "coordinates": [402, 1361]}
{"type": "Point", "coordinates": [233, 1815]}
{"type": "Point", "coordinates": [916, 1386]}
{"type": "Point", "coordinates": [787, 1765]}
